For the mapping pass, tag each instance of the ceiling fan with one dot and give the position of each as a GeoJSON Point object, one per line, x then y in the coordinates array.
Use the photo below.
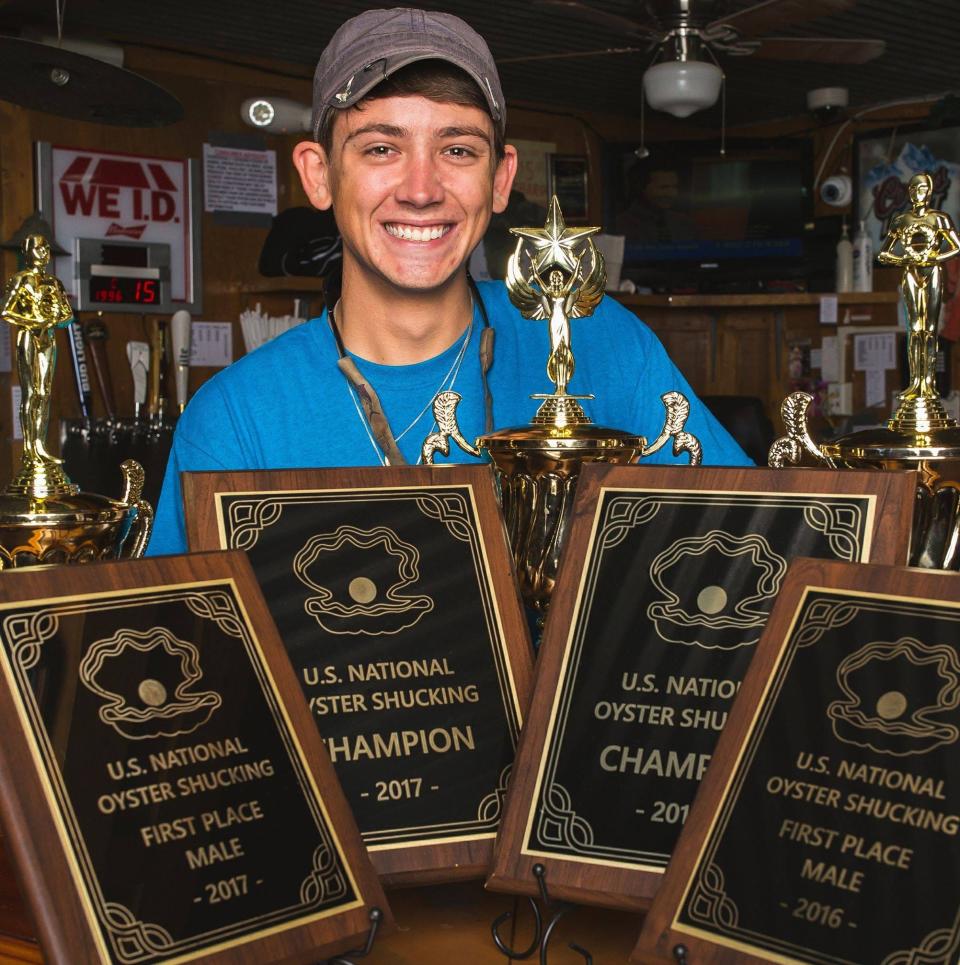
{"type": "Point", "coordinates": [687, 35]}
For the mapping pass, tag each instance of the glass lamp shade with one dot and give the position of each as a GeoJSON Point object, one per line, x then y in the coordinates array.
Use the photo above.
{"type": "Point", "coordinates": [682, 87]}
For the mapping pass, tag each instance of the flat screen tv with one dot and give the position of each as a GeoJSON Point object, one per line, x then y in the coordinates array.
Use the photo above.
{"type": "Point", "coordinates": [694, 220]}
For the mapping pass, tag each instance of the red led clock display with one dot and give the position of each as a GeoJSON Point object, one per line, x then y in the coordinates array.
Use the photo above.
{"type": "Point", "coordinates": [110, 289]}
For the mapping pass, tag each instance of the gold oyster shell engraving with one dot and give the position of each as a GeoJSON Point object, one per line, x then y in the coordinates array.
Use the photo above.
{"type": "Point", "coordinates": [915, 715]}
{"type": "Point", "coordinates": [358, 606]}
{"type": "Point", "coordinates": [709, 618]}
{"type": "Point", "coordinates": [113, 660]}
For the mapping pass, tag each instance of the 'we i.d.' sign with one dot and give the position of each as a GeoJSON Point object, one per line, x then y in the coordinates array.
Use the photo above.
{"type": "Point", "coordinates": [123, 197]}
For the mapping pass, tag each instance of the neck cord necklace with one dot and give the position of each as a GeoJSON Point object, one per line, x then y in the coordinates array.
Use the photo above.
{"type": "Point", "coordinates": [374, 421]}
{"type": "Point", "coordinates": [447, 381]}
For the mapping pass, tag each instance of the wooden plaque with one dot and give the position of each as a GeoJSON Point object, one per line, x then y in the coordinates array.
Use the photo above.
{"type": "Point", "coordinates": [663, 591]}
{"type": "Point", "coordinates": [163, 791]}
{"type": "Point", "coordinates": [828, 827]}
{"type": "Point", "coordinates": [394, 594]}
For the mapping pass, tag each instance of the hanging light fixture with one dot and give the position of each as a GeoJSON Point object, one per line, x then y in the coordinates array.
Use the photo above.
{"type": "Point", "coordinates": [684, 84]}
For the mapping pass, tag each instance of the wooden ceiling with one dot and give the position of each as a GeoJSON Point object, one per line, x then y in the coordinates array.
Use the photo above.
{"type": "Point", "coordinates": [922, 38]}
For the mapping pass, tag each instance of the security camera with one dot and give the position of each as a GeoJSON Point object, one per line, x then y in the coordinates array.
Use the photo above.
{"type": "Point", "coordinates": [837, 191]}
{"type": "Point", "coordinates": [276, 115]}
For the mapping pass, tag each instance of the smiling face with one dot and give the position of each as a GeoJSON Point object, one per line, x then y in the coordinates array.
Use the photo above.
{"type": "Point", "coordinates": [413, 183]}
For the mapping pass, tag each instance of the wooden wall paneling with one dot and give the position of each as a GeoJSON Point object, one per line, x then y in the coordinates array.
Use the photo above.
{"type": "Point", "coordinates": [739, 344]}
{"type": "Point", "coordinates": [690, 338]}
{"type": "Point", "coordinates": [746, 352]}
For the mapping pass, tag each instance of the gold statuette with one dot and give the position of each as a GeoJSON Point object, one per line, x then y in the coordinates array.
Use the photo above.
{"type": "Point", "coordinates": [555, 274]}
{"type": "Point", "coordinates": [36, 305]}
{"type": "Point", "coordinates": [43, 516]}
{"type": "Point", "coordinates": [919, 241]}
{"type": "Point", "coordinates": [919, 435]}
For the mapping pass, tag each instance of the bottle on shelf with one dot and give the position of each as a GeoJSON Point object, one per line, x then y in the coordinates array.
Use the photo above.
{"type": "Point", "coordinates": [862, 261]}
{"type": "Point", "coordinates": [844, 261]}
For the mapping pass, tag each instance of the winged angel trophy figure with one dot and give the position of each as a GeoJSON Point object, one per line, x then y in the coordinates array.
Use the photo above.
{"type": "Point", "coordinates": [559, 299]}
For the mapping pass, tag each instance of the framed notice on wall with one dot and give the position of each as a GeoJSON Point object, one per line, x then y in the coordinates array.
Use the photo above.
{"type": "Point", "coordinates": [826, 830]}
{"type": "Point", "coordinates": [164, 793]}
{"type": "Point", "coordinates": [664, 589]}
{"type": "Point", "coordinates": [394, 594]}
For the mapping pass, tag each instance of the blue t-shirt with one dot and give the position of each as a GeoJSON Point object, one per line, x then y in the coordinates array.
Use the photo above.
{"type": "Point", "coordinates": [288, 406]}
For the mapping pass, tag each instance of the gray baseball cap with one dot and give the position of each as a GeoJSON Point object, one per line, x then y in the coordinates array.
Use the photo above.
{"type": "Point", "coordinates": [373, 45]}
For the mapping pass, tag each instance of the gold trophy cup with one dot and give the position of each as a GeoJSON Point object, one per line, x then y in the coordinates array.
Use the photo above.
{"type": "Point", "coordinates": [43, 516]}
{"type": "Point", "coordinates": [919, 435]}
{"type": "Point", "coordinates": [555, 274]}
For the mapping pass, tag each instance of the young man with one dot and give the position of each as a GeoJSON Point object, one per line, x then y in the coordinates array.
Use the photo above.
{"type": "Point", "coordinates": [408, 150]}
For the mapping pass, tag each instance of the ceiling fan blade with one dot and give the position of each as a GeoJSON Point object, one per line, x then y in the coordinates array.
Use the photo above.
{"type": "Point", "coordinates": [529, 58]}
{"type": "Point", "coordinates": [583, 11]}
{"type": "Point", "coordinates": [821, 50]}
{"type": "Point", "coordinates": [777, 14]}
{"type": "Point", "coordinates": [58, 81]}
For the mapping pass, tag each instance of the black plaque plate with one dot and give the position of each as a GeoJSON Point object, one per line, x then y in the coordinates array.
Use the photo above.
{"type": "Point", "coordinates": [385, 602]}
{"type": "Point", "coordinates": [833, 834]}
{"type": "Point", "coordinates": [179, 789]}
{"type": "Point", "coordinates": [675, 589]}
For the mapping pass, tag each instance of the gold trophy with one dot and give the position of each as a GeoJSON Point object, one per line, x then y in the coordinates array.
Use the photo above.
{"type": "Point", "coordinates": [919, 435]}
{"type": "Point", "coordinates": [556, 273]}
{"type": "Point", "coordinates": [43, 516]}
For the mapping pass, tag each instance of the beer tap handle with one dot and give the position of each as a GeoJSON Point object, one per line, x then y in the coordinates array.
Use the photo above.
{"type": "Point", "coordinates": [158, 369]}
{"type": "Point", "coordinates": [180, 331]}
{"type": "Point", "coordinates": [95, 335]}
{"type": "Point", "coordinates": [78, 360]}
{"type": "Point", "coordinates": [138, 355]}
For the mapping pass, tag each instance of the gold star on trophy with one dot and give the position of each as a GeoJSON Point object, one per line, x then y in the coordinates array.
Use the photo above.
{"type": "Point", "coordinates": [554, 243]}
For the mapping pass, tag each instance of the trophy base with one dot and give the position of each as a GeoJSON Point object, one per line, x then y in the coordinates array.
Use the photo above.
{"type": "Point", "coordinates": [921, 416]}
{"type": "Point", "coordinates": [560, 411]}
{"type": "Point", "coordinates": [935, 456]}
{"type": "Point", "coordinates": [537, 471]}
{"type": "Point", "coordinates": [39, 478]}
